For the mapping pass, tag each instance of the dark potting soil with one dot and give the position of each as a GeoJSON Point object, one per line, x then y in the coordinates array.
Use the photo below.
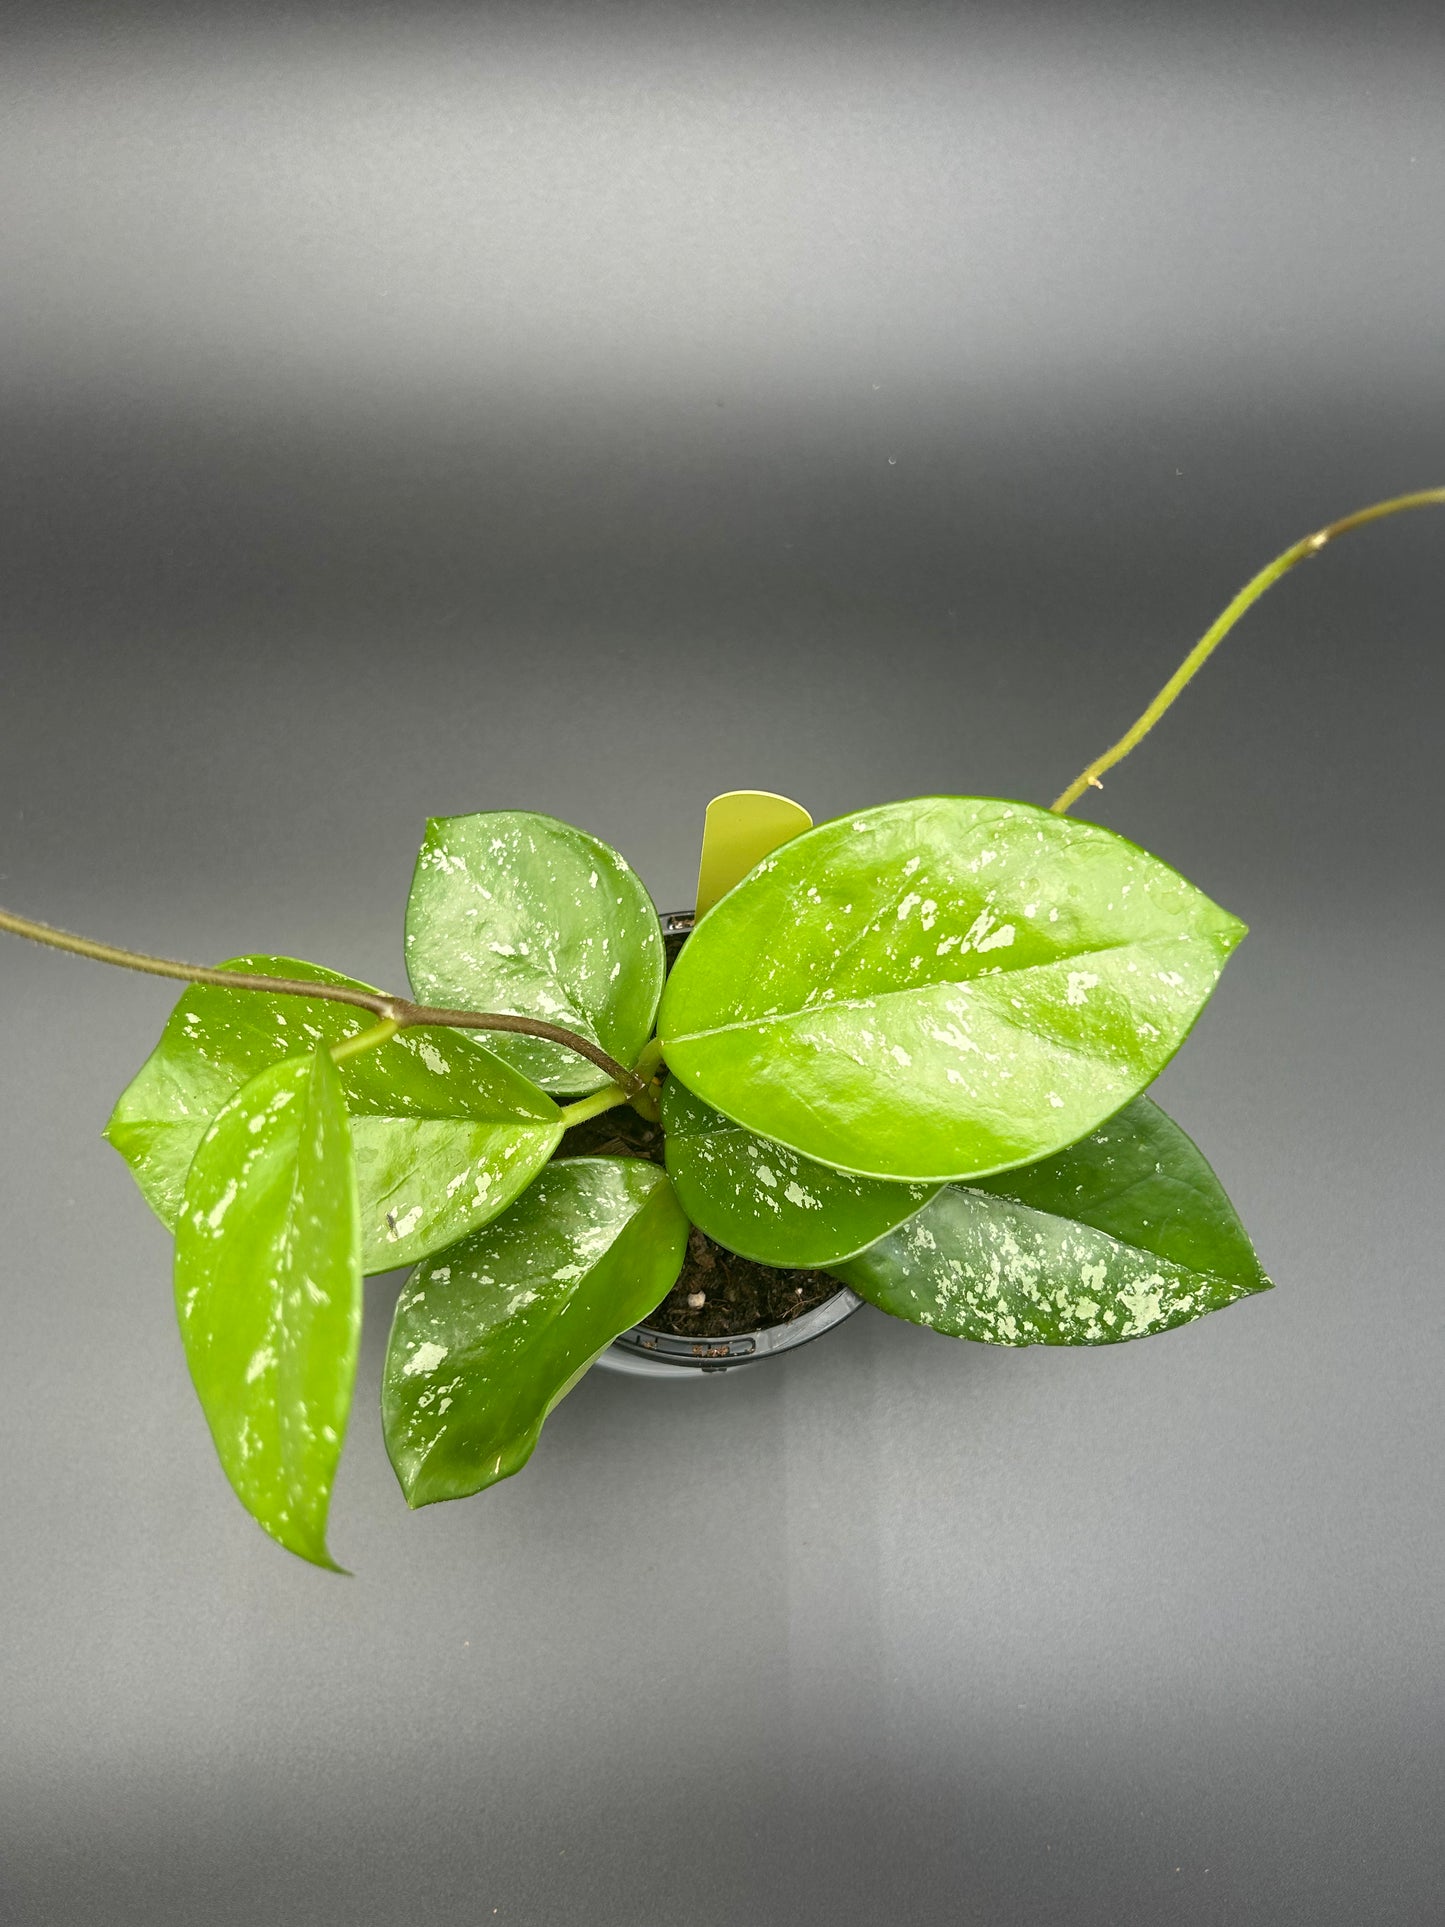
{"type": "Point", "coordinates": [738, 1295]}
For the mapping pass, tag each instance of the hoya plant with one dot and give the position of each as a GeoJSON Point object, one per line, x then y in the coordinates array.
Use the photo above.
{"type": "Point", "coordinates": [906, 1049]}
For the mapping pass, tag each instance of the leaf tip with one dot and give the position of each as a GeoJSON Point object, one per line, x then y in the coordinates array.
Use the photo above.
{"type": "Point", "coordinates": [313, 1552]}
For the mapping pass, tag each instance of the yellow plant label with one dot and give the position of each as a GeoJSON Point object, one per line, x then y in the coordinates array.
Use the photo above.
{"type": "Point", "coordinates": [741, 828]}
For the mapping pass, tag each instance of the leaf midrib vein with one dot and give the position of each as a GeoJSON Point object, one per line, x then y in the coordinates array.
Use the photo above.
{"type": "Point", "coordinates": [911, 990]}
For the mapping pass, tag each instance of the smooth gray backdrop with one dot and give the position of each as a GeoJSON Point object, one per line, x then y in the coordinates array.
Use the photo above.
{"type": "Point", "coordinates": [408, 411]}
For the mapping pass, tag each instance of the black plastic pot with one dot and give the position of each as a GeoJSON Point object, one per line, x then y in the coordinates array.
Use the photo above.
{"type": "Point", "coordinates": [650, 1354]}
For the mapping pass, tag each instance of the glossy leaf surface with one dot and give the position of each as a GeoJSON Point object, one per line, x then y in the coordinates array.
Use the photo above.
{"type": "Point", "coordinates": [489, 1335]}
{"type": "Point", "coordinates": [1127, 1233]}
{"type": "Point", "coordinates": [515, 912]}
{"type": "Point", "coordinates": [766, 1202]}
{"type": "Point", "coordinates": [445, 1133]}
{"type": "Point", "coordinates": [268, 1293]}
{"type": "Point", "coordinates": [942, 988]}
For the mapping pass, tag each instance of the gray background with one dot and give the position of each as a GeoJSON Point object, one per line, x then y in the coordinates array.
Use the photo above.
{"type": "Point", "coordinates": [411, 412]}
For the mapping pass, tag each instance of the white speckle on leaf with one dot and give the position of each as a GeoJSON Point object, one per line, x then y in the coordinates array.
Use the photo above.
{"type": "Point", "coordinates": [398, 1228]}
{"type": "Point", "coordinates": [222, 1205]}
{"type": "Point", "coordinates": [1143, 1305]}
{"type": "Point", "coordinates": [427, 1356]}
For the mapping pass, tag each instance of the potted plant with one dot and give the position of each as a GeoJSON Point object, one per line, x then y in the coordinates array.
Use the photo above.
{"type": "Point", "coordinates": [901, 1058]}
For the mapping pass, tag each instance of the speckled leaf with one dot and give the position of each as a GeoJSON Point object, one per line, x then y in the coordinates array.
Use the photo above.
{"type": "Point", "coordinates": [446, 1134]}
{"type": "Point", "coordinates": [1126, 1233]}
{"type": "Point", "coordinates": [942, 988]}
{"type": "Point", "coordinates": [489, 1335]}
{"type": "Point", "coordinates": [766, 1202]}
{"type": "Point", "coordinates": [268, 1293]}
{"type": "Point", "coordinates": [515, 912]}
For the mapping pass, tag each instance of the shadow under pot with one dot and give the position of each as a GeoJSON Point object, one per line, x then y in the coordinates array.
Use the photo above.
{"type": "Point", "coordinates": [724, 1310]}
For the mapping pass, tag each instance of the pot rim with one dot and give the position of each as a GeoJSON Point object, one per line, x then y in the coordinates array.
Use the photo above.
{"type": "Point", "coordinates": [662, 1353]}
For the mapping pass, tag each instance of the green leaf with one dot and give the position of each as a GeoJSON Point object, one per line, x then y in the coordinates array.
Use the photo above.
{"type": "Point", "coordinates": [268, 1293]}
{"type": "Point", "coordinates": [489, 1335]}
{"type": "Point", "coordinates": [942, 988]}
{"type": "Point", "coordinates": [766, 1202]}
{"type": "Point", "coordinates": [520, 913]}
{"type": "Point", "coordinates": [446, 1134]}
{"type": "Point", "coordinates": [1126, 1233]}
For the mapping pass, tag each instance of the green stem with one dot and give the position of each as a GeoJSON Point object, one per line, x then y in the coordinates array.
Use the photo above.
{"type": "Point", "coordinates": [646, 1101]}
{"type": "Point", "coordinates": [649, 1062]}
{"type": "Point", "coordinates": [607, 1099]}
{"type": "Point", "coordinates": [398, 1010]}
{"type": "Point", "coordinates": [364, 1040]}
{"type": "Point", "coordinates": [1213, 636]}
